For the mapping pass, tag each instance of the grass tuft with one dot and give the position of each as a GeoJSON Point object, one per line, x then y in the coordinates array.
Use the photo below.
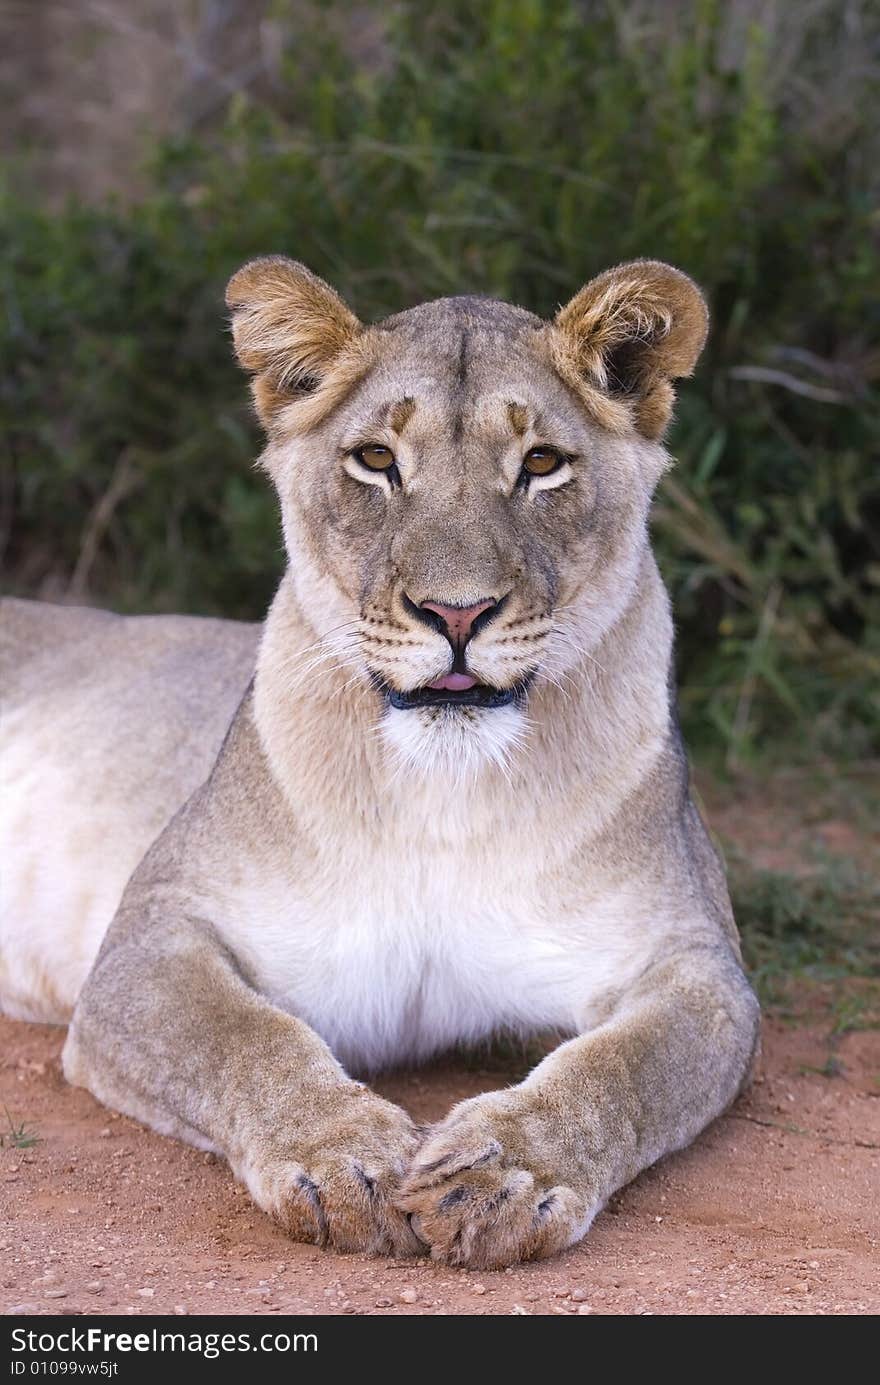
{"type": "Point", "coordinates": [17, 1136]}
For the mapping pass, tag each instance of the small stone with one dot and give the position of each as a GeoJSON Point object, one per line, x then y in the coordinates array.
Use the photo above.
{"type": "Point", "coordinates": [383, 1302]}
{"type": "Point", "coordinates": [408, 1296]}
{"type": "Point", "coordinates": [212, 1284]}
{"type": "Point", "coordinates": [95, 1286]}
{"type": "Point", "coordinates": [181, 1310]}
{"type": "Point", "coordinates": [579, 1295]}
{"type": "Point", "coordinates": [584, 1309]}
{"type": "Point", "coordinates": [478, 1288]}
{"type": "Point", "coordinates": [105, 1133]}
{"type": "Point", "coordinates": [19, 1309]}
{"type": "Point", "coordinates": [146, 1293]}
{"type": "Point", "coordinates": [56, 1293]}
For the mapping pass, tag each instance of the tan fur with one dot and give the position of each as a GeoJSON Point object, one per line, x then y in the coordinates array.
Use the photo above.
{"type": "Point", "coordinates": [107, 724]}
{"type": "Point", "coordinates": [655, 314]}
{"type": "Point", "coordinates": [289, 327]}
{"type": "Point", "coordinates": [362, 881]}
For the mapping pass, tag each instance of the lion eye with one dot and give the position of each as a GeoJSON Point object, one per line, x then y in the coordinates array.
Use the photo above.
{"type": "Point", "coordinates": [376, 457]}
{"type": "Point", "coordinates": [541, 461]}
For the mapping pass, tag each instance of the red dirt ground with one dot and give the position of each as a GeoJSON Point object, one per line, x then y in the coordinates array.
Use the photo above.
{"type": "Point", "coordinates": [775, 1209]}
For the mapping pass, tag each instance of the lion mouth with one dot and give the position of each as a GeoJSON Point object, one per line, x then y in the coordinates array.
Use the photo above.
{"type": "Point", "coordinates": [455, 690]}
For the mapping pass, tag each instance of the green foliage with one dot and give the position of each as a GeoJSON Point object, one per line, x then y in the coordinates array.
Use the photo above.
{"type": "Point", "coordinates": [822, 924]}
{"type": "Point", "coordinates": [513, 148]}
{"type": "Point", "coordinates": [19, 1136]}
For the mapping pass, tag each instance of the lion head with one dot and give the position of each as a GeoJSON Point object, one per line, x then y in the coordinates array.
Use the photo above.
{"type": "Point", "coordinates": [464, 487]}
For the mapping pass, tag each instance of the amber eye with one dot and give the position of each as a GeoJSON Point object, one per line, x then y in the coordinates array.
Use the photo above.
{"type": "Point", "coordinates": [376, 457]}
{"type": "Point", "coordinates": [541, 461]}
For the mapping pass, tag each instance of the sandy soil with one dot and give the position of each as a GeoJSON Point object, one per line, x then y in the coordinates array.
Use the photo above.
{"type": "Point", "coordinates": [775, 1209]}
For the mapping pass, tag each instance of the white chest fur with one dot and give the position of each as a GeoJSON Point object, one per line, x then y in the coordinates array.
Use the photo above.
{"type": "Point", "coordinates": [394, 959]}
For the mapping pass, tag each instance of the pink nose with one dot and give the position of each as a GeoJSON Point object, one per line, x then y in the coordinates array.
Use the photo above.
{"type": "Point", "coordinates": [458, 621]}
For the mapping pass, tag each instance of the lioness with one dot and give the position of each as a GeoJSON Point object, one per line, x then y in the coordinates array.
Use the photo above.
{"type": "Point", "coordinates": [452, 799]}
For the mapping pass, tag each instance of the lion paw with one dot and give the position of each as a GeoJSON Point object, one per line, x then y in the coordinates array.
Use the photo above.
{"type": "Point", "coordinates": [337, 1188]}
{"type": "Point", "coordinates": [482, 1193]}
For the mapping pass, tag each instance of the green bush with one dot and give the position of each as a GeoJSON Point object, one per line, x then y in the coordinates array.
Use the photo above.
{"type": "Point", "coordinates": [513, 148]}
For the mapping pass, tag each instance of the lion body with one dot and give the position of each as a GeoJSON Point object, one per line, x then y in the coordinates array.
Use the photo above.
{"type": "Point", "coordinates": [108, 724]}
{"type": "Point", "coordinates": [247, 864]}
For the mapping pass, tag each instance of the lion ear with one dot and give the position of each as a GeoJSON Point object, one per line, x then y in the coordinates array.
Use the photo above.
{"type": "Point", "coordinates": [289, 327]}
{"type": "Point", "coordinates": [630, 332]}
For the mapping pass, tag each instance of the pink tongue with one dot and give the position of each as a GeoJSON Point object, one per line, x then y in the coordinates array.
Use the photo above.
{"type": "Point", "coordinates": [454, 682]}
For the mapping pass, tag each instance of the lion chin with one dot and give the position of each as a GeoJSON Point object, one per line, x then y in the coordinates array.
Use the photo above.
{"type": "Point", "coordinates": [453, 742]}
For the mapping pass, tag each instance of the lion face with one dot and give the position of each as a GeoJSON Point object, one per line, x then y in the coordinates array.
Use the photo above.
{"type": "Point", "coordinates": [464, 488]}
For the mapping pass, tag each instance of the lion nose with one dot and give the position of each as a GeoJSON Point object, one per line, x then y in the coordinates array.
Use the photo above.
{"type": "Point", "coordinates": [458, 621]}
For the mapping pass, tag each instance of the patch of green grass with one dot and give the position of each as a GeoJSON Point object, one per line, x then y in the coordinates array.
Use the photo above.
{"type": "Point", "coordinates": [17, 1136]}
{"type": "Point", "coordinates": [830, 1068]}
{"type": "Point", "coordinates": [855, 1010]}
{"type": "Point", "coordinates": [819, 925]}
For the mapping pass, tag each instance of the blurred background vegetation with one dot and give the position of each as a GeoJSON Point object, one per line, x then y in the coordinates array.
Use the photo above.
{"type": "Point", "coordinates": [405, 151]}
